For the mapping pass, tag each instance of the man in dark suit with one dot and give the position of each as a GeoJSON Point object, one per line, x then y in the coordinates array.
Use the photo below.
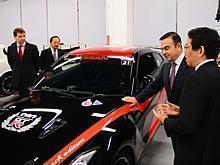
{"type": "Point", "coordinates": [197, 126]}
{"type": "Point", "coordinates": [50, 55]}
{"type": "Point", "coordinates": [24, 61]}
{"type": "Point", "coordinates": [171, 46]}
{"type": "Point", "coordinates": [218, 59]}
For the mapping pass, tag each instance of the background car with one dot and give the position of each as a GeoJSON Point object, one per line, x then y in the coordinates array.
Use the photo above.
{"type": "Point", "coordinates": [75, 114]}
{"type": "Point", "coordinates": [5, 73]}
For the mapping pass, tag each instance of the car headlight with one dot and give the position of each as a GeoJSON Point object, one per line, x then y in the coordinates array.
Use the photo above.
{"type": "Point", "coordinates": [84, 158]}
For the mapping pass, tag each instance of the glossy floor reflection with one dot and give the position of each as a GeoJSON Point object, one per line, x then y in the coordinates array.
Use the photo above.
{"type": "Point", "coordinates": [159, 151]}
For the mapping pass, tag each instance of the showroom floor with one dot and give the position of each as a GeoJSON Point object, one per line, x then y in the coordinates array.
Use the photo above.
{"type": "Point", "coordinates": [159, 151]}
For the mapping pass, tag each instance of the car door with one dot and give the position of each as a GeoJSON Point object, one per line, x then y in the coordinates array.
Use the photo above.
{"type": "Point", "coordinates": [147, 68]}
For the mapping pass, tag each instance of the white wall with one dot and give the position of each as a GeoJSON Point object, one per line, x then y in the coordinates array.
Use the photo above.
{"type": "Point", "coordinates": [119, 22]}
{"type": "Point", "coordinates": [92, 22]}
{"type": "Point", "coordinates": [61, 21]}
{"type": "Point", "coordinates": [152, 18]}
{"type": "Point", "coordinates": [194, 13]}
{"type": "Point", "coordinates": [155, 17]}
{"type": "Point", "coordinates": [34, 21]}
{"type": "Point", "coordinates": [9, 18]}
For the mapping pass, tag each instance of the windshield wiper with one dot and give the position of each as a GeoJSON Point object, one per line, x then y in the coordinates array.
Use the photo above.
{"type": "Point", "coordinates": [107, 95]}
{"type": "Point", "coordinates": [81, 92]}
{"type": "Point", "coordinates": [100, 95]}
{"type": "Point", "coordinates": [57, 90]}
{"type": "Point", "coordinates": [70, 93]}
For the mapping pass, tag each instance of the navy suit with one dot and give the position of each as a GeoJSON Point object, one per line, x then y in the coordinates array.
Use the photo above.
{"type": "Point", "coordinates": [197, 128]}
{"type": "Point", "coordinates": [47, 58]}
{"type": "Point", "coordinates": [23, 72]}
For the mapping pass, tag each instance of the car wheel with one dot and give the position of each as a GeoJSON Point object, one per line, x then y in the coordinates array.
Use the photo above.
{"type": "Point", "coordinates": [124, 157]}
{"type": "Point", "coordinates": [6, 84]}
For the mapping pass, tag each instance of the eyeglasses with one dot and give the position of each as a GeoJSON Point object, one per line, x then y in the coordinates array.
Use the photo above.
{"type": "Point", "coordinates": [187, 47]}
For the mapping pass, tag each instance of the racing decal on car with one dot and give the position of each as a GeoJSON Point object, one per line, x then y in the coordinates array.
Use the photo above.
{"type": "Point", "coordinates": [87, 103]}
{"type": "Point", "coordinates": [70, 148]}
{"type": "Point", "coordinates": [57, 112]}
{"type": "Point", "coordinates": [95, 58]}
{"type": "Point", "coordinates": [98, 115]}
{"type": "Point", "coordinates": [97, 102]}
{"type": "Point", "coordinates": [108, 129]}
{"type": "Point", "coordinates": [126, 63]}
{"type": "Point", "coordinates": [65, 152]}
{"type": "Point", "coordinates": [20, 122]}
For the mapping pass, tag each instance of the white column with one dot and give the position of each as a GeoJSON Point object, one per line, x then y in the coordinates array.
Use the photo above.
{"type": "Point", "coordinates": [119, 22]}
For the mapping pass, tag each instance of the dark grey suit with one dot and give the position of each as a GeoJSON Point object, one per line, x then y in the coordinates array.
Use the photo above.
{"type": "Point", "coordinates": [47, 58]}
{"type": "Point", "coordinates": [23, 72]}
{"type": "Point", "coordinates": [162, 80]}
{"type": "Point", "coordinates": [197, 128]}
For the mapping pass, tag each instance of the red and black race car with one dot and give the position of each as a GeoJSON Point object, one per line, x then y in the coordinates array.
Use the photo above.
{"type": "Point", "coordinates": [74, 114]}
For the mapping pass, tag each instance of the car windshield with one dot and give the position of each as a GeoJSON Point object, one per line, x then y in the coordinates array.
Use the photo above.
{"type": "Point", "coordinates": [102, 75]}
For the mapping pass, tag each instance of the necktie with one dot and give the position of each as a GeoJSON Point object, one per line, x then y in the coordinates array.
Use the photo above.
{"type": "Point", "coordinates": [172, 74]}
{"type": "Point", "coordinates": [20, 52]}
{"type": "Point", "coordinates": [54, 55]}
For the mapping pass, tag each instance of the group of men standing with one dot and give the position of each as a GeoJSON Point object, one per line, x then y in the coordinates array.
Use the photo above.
{"type": "Point", "coordinates": [191, 117]}
{"type": "Point", "coordinates": [191, 79]}
{"type": "Point", "coordinates": [25, 62]}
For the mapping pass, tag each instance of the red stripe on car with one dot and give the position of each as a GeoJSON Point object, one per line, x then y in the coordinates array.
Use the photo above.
{"type": "Point", "coordinates": [78, 142]}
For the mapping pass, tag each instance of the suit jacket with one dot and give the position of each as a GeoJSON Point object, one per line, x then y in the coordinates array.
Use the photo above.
{"type": "Point", "coordinates": [197, 127]}
{"type": "Point", "coordinates": [23, 72]}
{"type": "Point", "coordinates": [47, 58]}
{"type": "Point", "coordinates": [162, 80]}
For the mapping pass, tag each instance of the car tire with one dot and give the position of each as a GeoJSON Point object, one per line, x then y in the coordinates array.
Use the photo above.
{"type": "Point", "coordinates": [6, 84]}
{"type": "Point", "coordinates": [123, 157]}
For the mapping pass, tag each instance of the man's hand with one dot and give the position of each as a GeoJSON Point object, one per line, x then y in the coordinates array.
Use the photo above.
{"type": "Point", "coordinates": [169, 109]}
{"type": "Point", "coordinates": [160, 115]}
{"type": "Point", "coordinates": [130, 99]}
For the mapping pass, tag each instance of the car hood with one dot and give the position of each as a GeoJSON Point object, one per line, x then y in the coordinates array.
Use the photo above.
{"type": "Point", "coordinates": [45, 123]}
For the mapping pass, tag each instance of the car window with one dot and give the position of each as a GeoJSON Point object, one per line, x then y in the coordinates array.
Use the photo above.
{"type": "Point", "coordinates": [158, 59]}
{"type": "Point", "coordinates": [146, 66]}
{"type": "Point", "coordinates": [106, 76]}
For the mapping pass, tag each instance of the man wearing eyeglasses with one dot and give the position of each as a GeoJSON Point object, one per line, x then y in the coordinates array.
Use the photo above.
{"type": "Point", "coordinates": [197, 123]}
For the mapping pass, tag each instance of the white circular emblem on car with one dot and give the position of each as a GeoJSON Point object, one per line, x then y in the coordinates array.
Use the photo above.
{"type": "Point", "coordinates": [20, 122]}
{"type": "Point", "coordinates": [87, 103]}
